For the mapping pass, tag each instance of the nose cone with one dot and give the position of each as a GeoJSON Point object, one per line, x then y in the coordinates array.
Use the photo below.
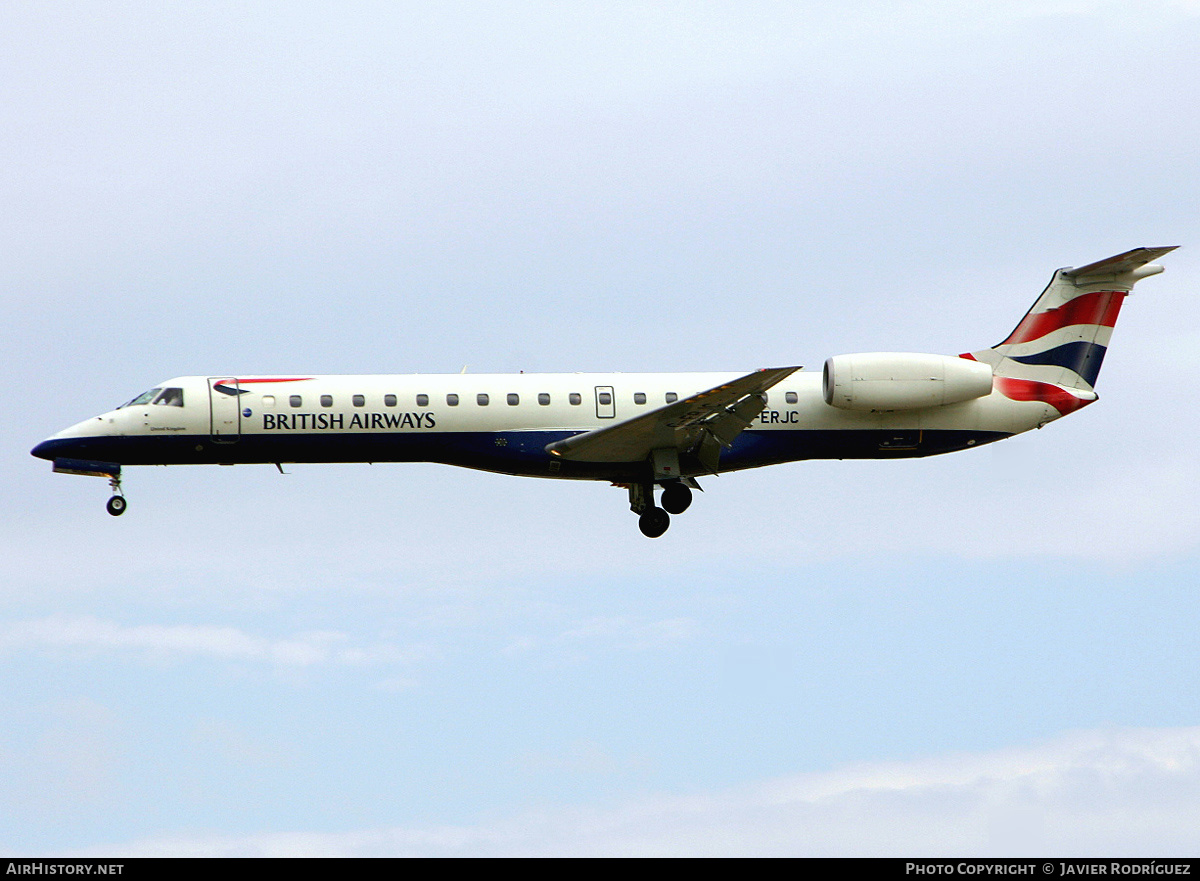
{"type": "Point", "coordinates": [44, 450]}
{"type": "Point", "coordinates": [62, 448]}
{"type": "Point", "coordinates": [74, 442]}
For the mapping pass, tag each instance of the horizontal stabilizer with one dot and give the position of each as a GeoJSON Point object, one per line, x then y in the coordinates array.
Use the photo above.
{"type": "Point", "coordinates": [1118, 265]}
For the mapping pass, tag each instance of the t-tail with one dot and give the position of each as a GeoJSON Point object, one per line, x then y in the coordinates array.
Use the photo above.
{"type": "Point", "coordinates": [1054, 354]}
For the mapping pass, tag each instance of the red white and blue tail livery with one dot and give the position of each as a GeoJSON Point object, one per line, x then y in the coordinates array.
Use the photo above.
{"type": "Point", "coordinates": [1054, 354]}
{"type": "Point", "coordinates": [645, 432]}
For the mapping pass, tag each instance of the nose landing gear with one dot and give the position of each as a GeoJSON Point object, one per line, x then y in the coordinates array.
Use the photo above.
{"type": "Point", "coordinates": [111, 470]}
{"type": "Point", "coordinates": [117, 504]}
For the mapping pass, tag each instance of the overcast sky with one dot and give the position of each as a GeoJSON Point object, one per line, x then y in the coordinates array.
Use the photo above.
{"type": "Point", "coordinates": [992, 652]}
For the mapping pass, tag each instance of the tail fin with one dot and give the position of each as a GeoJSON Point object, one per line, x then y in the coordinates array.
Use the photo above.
{"type": "Point", "coordinates": [1054, 354]}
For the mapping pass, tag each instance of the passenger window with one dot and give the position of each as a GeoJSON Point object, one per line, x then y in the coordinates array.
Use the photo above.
{"type": "Point", "coordinates": [326, 400]}
{"type": "Point", "coordinates": [170, 397]}
{"type": "Point", "coordinates": [672, 397]}
{"type": "Point", "coordinates": [481, 399]}
{"type": "Point", "coordinates": [268, 400]}
{"type": "Point", "coordinates": [295, 401]}
{"type": "Point", "coordinates": [389, 400]}
{"type": "Point", "coordinates": [639, 397]}
{"type": "Point", "coordinates": [605, 398]}
{"type": "Point", "coordinates": [358, 401]}
{"type": "Point", "coordinates": [575, 398]}
{"type": "Point", "coordinates": [790, 397]}
{"type": "Point", "coordinates": [513, 400]}
{"type": "Point", "coordinates": [422, 400]}
{"type": "Point", "coordinates": [451, 400]}
{"type": "Point", "coordinates": [543, 399]}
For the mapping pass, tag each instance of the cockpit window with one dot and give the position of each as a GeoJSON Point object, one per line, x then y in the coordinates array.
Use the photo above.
{"type": "Point", "coordinates": [170, 397]}
{"type": "Point", "coordinates": [143, 398]}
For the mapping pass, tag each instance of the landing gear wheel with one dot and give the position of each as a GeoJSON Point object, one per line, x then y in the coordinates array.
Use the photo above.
{"type": "Point", "coordinates": [654, 522]}
{"type": "Point", "coordinates": [116, 506]}
{"type": "Point", "coordinates": [676, 498]}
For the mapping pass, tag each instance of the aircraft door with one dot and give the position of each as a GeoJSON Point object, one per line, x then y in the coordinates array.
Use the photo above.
{"type": "Point", "coordinates": [606, 403]}
{"type": "Point", "coordinates": [225, 407]}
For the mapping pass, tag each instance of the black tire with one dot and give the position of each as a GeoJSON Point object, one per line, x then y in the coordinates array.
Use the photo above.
{"type": "Point", "coordinates": [116, 506]}
{"type": "Point", "coordinates": [654, 522]}
{"type": "Point", "coordinates": [676, 498]}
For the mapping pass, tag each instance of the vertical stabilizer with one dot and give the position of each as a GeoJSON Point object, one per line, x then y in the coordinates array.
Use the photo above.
{"type": "Point", "coordinates": [1055, 353]}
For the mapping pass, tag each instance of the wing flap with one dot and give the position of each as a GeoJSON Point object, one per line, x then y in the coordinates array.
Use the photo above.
{"type": "Point", "coordinates": [721, 412]}
{"type": "Point", "coordinates": [730, 422]}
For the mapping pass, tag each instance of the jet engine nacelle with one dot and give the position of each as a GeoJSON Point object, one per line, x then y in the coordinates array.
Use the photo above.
{"type": "Point", "coordinates": [903, 381]}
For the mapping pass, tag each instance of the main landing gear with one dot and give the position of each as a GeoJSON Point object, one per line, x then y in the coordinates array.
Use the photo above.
{"type": "Point", "coordinates": [653, 521]}
{"type": "Point", "coordinates": [676, 497]}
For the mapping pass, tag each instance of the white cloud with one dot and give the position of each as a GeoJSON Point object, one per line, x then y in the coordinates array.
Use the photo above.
{"type": "Point", "coordinates": [227, 643]}
{"type": "Point", "coordinates": [1115, 792]}
{"type": "Point", "coordinates": [587, 637]}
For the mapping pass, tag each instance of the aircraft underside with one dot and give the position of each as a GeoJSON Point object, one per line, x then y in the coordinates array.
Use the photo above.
{"type": "Point", "coordinates": [520, 453]}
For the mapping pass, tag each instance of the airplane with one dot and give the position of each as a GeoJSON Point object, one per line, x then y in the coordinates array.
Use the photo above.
{"type": "Point", "coordinates": [640, 431]}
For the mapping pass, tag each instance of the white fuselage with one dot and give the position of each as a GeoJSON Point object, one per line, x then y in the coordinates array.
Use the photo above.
{"type": "Point", "coordinates": [501, 422]}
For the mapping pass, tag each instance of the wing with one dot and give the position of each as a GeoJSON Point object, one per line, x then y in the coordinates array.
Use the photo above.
{"type": "Point", "coordinates": [701, 423]}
